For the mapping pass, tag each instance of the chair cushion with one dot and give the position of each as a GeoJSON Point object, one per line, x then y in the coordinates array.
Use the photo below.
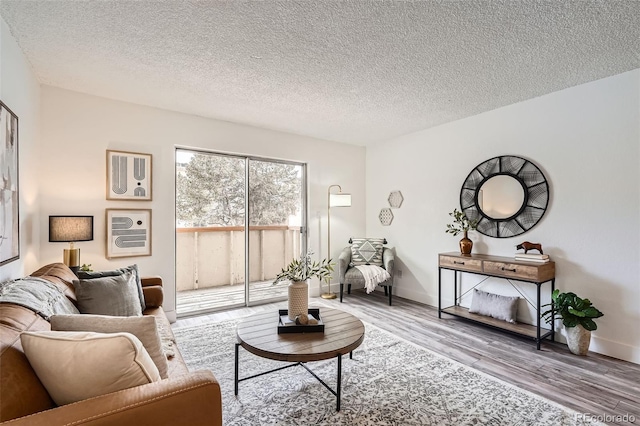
{"type": "Point", "coordinates": [366, 251]}
{"type": "Point", "coordinates": [110, 295]}
{"type": "Point", "coordinates": [74, 366]}
{"type": "Point", "coordinates": [354, 276]}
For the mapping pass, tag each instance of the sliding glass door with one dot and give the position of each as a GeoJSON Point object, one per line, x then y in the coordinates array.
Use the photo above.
{"type": "Point", "coordinates": [276, 206]}
{"type": "Point", "coordinates": [239, 221]}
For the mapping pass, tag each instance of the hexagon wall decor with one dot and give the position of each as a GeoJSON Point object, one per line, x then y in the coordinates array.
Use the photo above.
{"type": "Point", "coordinates": [395, 199]}
{"type": "Point", "coordinates": [386, 216]}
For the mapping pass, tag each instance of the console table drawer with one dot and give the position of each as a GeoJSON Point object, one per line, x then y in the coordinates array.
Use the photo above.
{"type": "Point", "coordinates": [461, 263]}
{"type": "Point", "coordinates": [511, 270]}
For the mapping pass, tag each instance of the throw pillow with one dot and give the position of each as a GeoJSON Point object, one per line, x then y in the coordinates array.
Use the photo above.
{"type": "Point", "coordinates": [144, 328]}
{"type": "Point", "coordinates": [84, 275]}
{"type": "Point", "coordinates": [74, 366]}
{"type": "Point", "coordinates": [111, 295]}
{"type": "Point", "coordinates": [366, 251]}
{"type": "Point", "coordinates": [494, 305]}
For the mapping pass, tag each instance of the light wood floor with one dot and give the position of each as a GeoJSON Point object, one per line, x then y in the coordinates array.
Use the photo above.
{"type": "Point", "coordinates": [195, 302]}
{"type": "Point", "coordinates": [594, 384]}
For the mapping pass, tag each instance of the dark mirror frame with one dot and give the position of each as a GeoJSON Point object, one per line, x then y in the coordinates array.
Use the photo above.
{"type": "Point", "coordinates": [534, 206]}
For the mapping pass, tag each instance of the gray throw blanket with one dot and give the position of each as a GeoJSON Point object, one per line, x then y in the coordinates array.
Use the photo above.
{"type": "Point", "coordinates": [41, 296]}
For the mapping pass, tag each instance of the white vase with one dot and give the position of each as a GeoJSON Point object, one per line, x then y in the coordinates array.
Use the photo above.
{"type": "Point", "coordinates": [298, 299]}
{"type": "Point", "coordinates": [578, 339]}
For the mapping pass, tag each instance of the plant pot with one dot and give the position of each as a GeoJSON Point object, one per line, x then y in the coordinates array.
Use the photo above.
{"type": "Point", "coordinates": [298, 299]}
{"type": "Point", "coordinates": [578, 339]}
{"type": "Point", "coordinates": [466, 244]}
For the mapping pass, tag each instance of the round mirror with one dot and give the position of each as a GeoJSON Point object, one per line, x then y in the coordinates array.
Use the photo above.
{"type": "Point", "coordinates": [505, 195]}
{"type": "Point", "coordinates": [500, 197]}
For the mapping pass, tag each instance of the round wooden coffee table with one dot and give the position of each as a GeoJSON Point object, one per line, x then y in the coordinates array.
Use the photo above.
{"type": "Point", "coordinates": [258, 334]}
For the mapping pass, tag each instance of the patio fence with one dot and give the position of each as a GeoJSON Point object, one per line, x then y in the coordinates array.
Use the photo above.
{"type": "Point", "coordinates": [214, 256]}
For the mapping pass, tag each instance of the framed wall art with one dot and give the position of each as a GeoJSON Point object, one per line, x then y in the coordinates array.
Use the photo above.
{"type": "Point", "coordinates": [128, 232]}
{"type": "Point", "coordinates": [9, 189]}
{"type": "Point", "coordinates": [128, 176]}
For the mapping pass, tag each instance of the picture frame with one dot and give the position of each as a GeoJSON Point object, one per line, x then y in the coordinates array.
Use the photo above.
{"type": "Point", "coordinates": [128, 232]}
{"type": "Point", "coordinates": [129, 176]}
{"type": "Point", "coordinates": [9, 187]}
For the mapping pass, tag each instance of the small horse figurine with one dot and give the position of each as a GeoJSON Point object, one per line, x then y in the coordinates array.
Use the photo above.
{"type": "Point", "coordinates": [526, 245]}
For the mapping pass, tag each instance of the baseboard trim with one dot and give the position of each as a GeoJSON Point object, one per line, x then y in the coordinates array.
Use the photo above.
{"type": "Point", "coordinates": [615, 349]}
{"type": "Point", "coordinates": [171, 316]}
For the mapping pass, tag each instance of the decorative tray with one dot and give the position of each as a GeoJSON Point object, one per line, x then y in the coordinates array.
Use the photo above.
{"type": "Point", "coordinates": [285, 325]}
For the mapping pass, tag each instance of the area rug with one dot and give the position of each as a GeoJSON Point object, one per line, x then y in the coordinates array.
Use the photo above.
{"type": "Point", "coordinates": [389, 381]}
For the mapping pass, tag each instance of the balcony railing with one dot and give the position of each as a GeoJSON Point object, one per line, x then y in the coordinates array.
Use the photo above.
{"type": "Point", "coordinates": [210, 257]}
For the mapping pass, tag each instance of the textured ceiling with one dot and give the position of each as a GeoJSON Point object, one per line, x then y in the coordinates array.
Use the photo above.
{"type": "Point", "coordinates": [350, 71]}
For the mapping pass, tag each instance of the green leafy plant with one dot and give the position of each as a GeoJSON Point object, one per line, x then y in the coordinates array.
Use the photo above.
{"type": "Point", "coordinates": [572, 310]}
{"type": "Point", "coordinates": [86, 268]}
{"type": "Point", "coordinates": [461, 223]}
{"type": "Point", "coordinates": [304, 268]}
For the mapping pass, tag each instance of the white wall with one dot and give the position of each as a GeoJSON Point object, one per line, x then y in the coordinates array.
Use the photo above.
{"type": "Point", "coordinates": [20, 91]}
{"type": "Point", "coordinates": [77, 130]}
{"type": "Point", "coordinates": [586, 140]}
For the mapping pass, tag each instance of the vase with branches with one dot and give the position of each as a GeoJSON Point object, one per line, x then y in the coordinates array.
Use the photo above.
{"type": "Point", "coordinates": [304, 268]}
{"type": "Point", "coordinates": [461, 223]}
{"type": "Point", "coordinates": [298, 272]}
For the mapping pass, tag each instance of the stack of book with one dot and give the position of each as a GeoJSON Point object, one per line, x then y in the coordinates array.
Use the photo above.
{"type": "Point", "coordinates": [540, 258]}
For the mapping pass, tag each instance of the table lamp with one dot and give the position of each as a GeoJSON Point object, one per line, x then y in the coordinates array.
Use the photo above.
{"type": "Point", "coordinates": [71, 229]}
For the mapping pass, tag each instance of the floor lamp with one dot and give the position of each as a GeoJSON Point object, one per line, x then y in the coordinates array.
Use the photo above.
{"type": "Point", "coordinates": [340, 199]}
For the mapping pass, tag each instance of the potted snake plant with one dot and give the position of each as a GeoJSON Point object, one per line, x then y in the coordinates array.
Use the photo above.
{"type": "Point", "coordinates": [577, 316]}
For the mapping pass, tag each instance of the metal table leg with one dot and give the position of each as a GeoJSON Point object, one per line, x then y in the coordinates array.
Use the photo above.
{"type": "Point", "coordinates": [339, 382]}
{"type": "Point", "coordinates": [538, 318]}
{"type": "Point", "coordinates": [439, 292]}
{"type": "Point", "coordinates": [553, 322]}
{"type": "Point", "coordinates": [236, 374]}
{"type": "Point", "coordinates": [455, 287]}
{"type": "Point", "coordinates": [336, 392]}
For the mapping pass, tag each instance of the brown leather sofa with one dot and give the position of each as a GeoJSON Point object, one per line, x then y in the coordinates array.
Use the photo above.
{"type": "Point", "coordinates": [182, 399]}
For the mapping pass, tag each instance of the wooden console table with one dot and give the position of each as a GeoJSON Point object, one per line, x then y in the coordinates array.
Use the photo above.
{"type": "Point", "coordinates": [500, 267]}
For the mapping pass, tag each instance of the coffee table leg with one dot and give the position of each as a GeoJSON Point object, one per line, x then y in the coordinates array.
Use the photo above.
{"type": "Point", "coordinates": [339, 382]}
{"type": "Point", "coordinates": [236, 377]}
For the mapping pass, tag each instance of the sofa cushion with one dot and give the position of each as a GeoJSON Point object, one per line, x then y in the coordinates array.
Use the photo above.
{"type": "Point", "coordinates": [109, 295]}
{"type": "Point", "coordinates": [86, 275]}
{"type": "Point", "coordinates": [144, 328]}
{"type": "Point", "coordinates": [177, 366]}
{"type": "Point", "coordinates": [74, 366]}
{"type": "Point", "coordinates": [366, 251]}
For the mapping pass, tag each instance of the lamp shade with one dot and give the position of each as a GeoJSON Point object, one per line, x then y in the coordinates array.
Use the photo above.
{"type": "Point", "coordinates": [70, 228]}
{"type": "Point", "coordinates": [340, 200]}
